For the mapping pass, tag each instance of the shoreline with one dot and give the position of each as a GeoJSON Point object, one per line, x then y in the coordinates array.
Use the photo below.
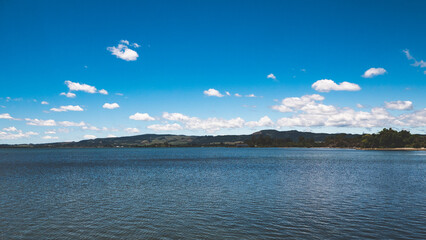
{"type": "Point", "coordinates": [349, 148]}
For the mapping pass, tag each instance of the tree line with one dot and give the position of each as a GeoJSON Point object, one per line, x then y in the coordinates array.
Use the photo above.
{"type": "Point", "coordinates": [386, 138]}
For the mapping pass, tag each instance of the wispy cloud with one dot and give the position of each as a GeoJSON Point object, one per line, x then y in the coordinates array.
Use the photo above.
{"type": "Point", "coordinates": [131, 130]}
{"type": "Point", "coordinates": [165, 127]}
{"type": "Point", "coordinates": [421, 63]}
{"type": "Point", "coordinates": [13, 133]}
{"type": "Point", "coordinates": [68, 95]}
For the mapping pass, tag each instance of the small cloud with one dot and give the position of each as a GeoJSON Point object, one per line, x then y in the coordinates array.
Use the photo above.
{"type": "Point", "coordinates": [75, 108]}
{"type": "Point", "coordinates": [251, 95]}
{"type": "Point", "coordinates": [44, 103]}
{"type": "Point", "coordinates": [131, 130]}
{"type": "Point", "coordinates": [10, 129]}
{"type": "Point", "coordinates": [135, 45]}
{"type": "Point", "coordinates": [119, 94]}
{"type": "Point", "coordinates": [141, 117]}
{"type": "Point", "coordinates": [399, 105]}
{"type": "Point", "coordinates": [263, 122]}
{"type": "Point", "coordinates": [326, 85]}
{"type": "Point", "coordinates": [111, 105]}
{"type": "Point", "coordinates": [87, 136]}
{"type": "Point", "coordinates": [165, 127]}
{"type": "Point", "coordinates": [359, 105]}
{"type": "Point", "coordinates": [272, 76]}
{"type": "Point", "coordinates": [372, 72]}
{"type": "Point", "coordinates": [5, 116]}
{"type": "Point", "coordinates": [75, 86]}
{"type": "Point", "coordinates": [212, 93]}
{"type": "Point", "coordinates": [40, 122]}
{"type": "Point", "coordinates": [123, 51]}
{"type": "Point", "coordinates": [111, 136]}
{"type": "Point", "coordinates": [103, 91]}
{"type": "Point", "coordinates": [72, 124]}
{"type": "Point", "coordinates": [237, 95]}
{"type": "Point", "coordinates": [48, 137]}
{"type": "Point", "coordinates": [228, 94]}
{"type": "Point", "coordinates": [50, 132]}
{"type": "Point", "coordinates": [68, 95]}
{"type": "Point", "coordinates": [124, 42]}
{"type": "Point", "coordinates": [407, 54]}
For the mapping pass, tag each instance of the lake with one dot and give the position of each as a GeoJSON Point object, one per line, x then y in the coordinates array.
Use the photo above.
{"type": "Point", "coordinates": [212, 193]}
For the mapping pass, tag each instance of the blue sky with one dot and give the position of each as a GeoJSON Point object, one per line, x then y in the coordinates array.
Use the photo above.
{"type": "Point", "coordinates": [173, 62]}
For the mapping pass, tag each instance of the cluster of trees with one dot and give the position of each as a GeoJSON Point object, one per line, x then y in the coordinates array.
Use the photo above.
{"type": "Point", "coordinates": [387, 138]}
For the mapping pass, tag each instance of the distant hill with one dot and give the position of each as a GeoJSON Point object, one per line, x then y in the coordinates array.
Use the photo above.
{"type": "Point", "coordinates": [168, 140]}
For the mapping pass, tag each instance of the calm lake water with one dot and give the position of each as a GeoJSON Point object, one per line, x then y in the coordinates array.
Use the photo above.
{"type": "Point", "coordinates": [212, 193]}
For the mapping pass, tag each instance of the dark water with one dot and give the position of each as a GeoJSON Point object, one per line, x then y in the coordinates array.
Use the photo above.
{"type": "Point", "coordinates": [212, 193]}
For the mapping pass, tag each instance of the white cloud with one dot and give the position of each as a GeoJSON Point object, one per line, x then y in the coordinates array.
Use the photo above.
{"type": "Point", "coordinates": [10, 129]}
{"type": "Point", "coordinates": [309, 111]}
{"type": "Point", "coordinates": [141, 117]}
{"type": "Point", "coordinates": [165, 127]}
{"type": "Point", "coordinates": [209, 124]}
{"type": "Point", "coordinates": [228, 94]}
{"type": "Point", "coordinates": [48, 137]}
{"type": "Point", "coordinates": [135, 45]}
{"type": "Point", "coordinates": [123, 51]}
{"type": "Point", "coordinates": [251, 95]}
{"type": "Point", "coordinates": [263, 122]}
{"type": "Point", "coordinates": [212, 93]}
{"type": "Point", "coordinates": [292, 104]}
{"type": "Point", "coordinates": [5, 116]}
{"type": "Point", "coordinates": [111, 136]}
{"type": "Point", "coordinates": [131, 130]}
{"type": "Point", "coordinates": [67, 108]}
{"type": "Point", "coordinates": [125, 42]}
{"type": "Point", "coordinates": [407, 54]}
{"type": "Point", "coordinates": [358, 105]}
{"type": "Point", "coordinates": [44, 103]}
{"type": "Point", "coordinates": [40, 122]}
{"type": "Point", "coordinates": [372, 72]}
{"type": "Point", "coordinates": [415, 119]}
{"type": "Point", "coordinates": [399, 105]}
{"type": "Point", "coordinates": [16, 134]}
{"type": "Point", "coordinates": [238, 95]}
{"type": "Point", "coordinates": [72, 124]}
{"type": "Point", "coordinates": [272, 76]}
{"type": "Point", "coordinates": [111, 105]}
{"type": "Point", "coordinates": [119, 94]}
{"type": "Point", "coordinates": [50, 132]}
{"type": "Point", "coordinates": [103, 91]}
{"type": "Point", "coordinates": [421, 63]}
{"type": "Point", "coordinates": [326, 85]}
{"type": "Point", "coordinates": [93, 128]}
{"type": "Point", "coordinates": [74, 86]}
{"type": "Point", "coordinates": [87, 136]}
{"type": "Point", "coordinates": [68, 95]}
